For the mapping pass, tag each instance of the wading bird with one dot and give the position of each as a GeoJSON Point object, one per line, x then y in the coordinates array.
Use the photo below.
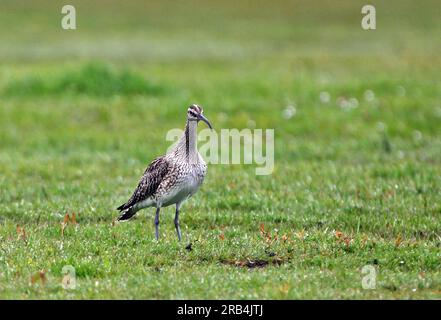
{"type": "Point", "coordinates": [171, 178]}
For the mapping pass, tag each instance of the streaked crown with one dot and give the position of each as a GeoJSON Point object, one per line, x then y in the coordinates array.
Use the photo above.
{"type": "Point", "coordinates": [194, 111]}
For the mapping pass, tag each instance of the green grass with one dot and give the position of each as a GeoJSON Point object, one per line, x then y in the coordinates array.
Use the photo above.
{"type": "Point", "coordinates": [83, 112]}
{"type": "Point", "coordinates": [91, 79]}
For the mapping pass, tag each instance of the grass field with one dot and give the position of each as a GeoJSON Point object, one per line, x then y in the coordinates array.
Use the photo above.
{"type": "Point", "coordinates": [357, 119]}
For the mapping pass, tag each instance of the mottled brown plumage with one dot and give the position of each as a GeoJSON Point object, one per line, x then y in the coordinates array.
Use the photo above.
{"type": "Point", "coordinates": [147, 186]}
{"type": "Point", "coordinates": [172, 178]}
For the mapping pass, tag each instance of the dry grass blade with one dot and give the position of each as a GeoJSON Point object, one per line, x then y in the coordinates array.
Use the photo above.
{"type": "Point", "coordinates": [73, 219]}
{"type": "Point", "coordinates": [398, 241]}
{"type": "Point", "coordinates": [21, 234]}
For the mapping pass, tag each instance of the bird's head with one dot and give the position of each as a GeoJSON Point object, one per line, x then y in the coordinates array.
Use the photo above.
{"type": "Point", "coordinates": [195, 113]}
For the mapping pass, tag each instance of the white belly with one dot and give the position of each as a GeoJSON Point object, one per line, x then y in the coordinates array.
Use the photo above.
{"type": "Point", "coordinates": [183, 191]}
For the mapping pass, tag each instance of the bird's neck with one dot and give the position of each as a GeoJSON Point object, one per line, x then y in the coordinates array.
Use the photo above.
{"type": "Point", "coordinates": [187, 145]}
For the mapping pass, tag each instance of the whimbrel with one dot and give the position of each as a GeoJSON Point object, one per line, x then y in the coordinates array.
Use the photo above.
{"type": "Point", "coordinates": [171, 178]}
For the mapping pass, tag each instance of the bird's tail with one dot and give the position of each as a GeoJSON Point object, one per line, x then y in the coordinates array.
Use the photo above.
{"type": "Point", "coordinates": [127, 213]}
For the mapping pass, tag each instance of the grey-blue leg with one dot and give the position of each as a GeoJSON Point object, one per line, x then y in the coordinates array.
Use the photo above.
{"type": "Point", "coordinates": [157, 222]}
{"type": "Point", "coordinates": [178, 229]}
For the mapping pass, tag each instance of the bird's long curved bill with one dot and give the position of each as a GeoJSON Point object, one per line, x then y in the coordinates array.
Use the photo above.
{"type": "Point", "coordinates": [201, 117]}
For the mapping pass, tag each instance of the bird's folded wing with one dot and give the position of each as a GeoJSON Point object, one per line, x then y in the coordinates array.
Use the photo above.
{"type": "Point", "coordinates": [151, 179]}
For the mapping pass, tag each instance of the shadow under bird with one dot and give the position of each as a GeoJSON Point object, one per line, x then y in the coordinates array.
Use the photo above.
{"type": "Point", "coordinates": [171, 178]}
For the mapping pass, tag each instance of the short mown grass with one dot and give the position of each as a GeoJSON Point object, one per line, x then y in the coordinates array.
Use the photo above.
{"type": "Point", "coordinates": [94, 79]}
{"type": "Point", "coordinates": [357, 177]}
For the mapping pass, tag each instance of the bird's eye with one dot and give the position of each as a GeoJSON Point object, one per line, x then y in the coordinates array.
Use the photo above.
{"type": "Point", "coordinates": [193, 114]}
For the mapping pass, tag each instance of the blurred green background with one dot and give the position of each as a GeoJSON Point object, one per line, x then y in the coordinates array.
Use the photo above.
{"type": "Point", "coordinates": [356, 115]}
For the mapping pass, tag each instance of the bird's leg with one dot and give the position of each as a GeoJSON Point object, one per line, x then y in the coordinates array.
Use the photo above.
{"type": "Point", "coordinates": [157, 222]}
{"type": "Point", "coordinates": [178, 229]}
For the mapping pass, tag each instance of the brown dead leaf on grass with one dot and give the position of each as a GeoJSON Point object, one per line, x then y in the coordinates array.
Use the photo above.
{"type": "Point", "coordinates": [73, 219]}
{"type": "Point", "coordinates": [267, 235]}
{"type": "Point", "coordinates": [347, 240]}
{"type": "Point", "coordinates": [342, 238]}
{"type": "Point", "coordinates": [21, 234]}
{"type": "Point", "coordinates": [39, 276]}
{"type": "Point", "coordinates": [338, 234]}
{"type": "Point", "coordinates": [271, 238]}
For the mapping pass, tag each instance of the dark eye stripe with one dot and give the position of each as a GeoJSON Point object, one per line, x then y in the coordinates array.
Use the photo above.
{"type": "Point", "coordinates": [192, 113]}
